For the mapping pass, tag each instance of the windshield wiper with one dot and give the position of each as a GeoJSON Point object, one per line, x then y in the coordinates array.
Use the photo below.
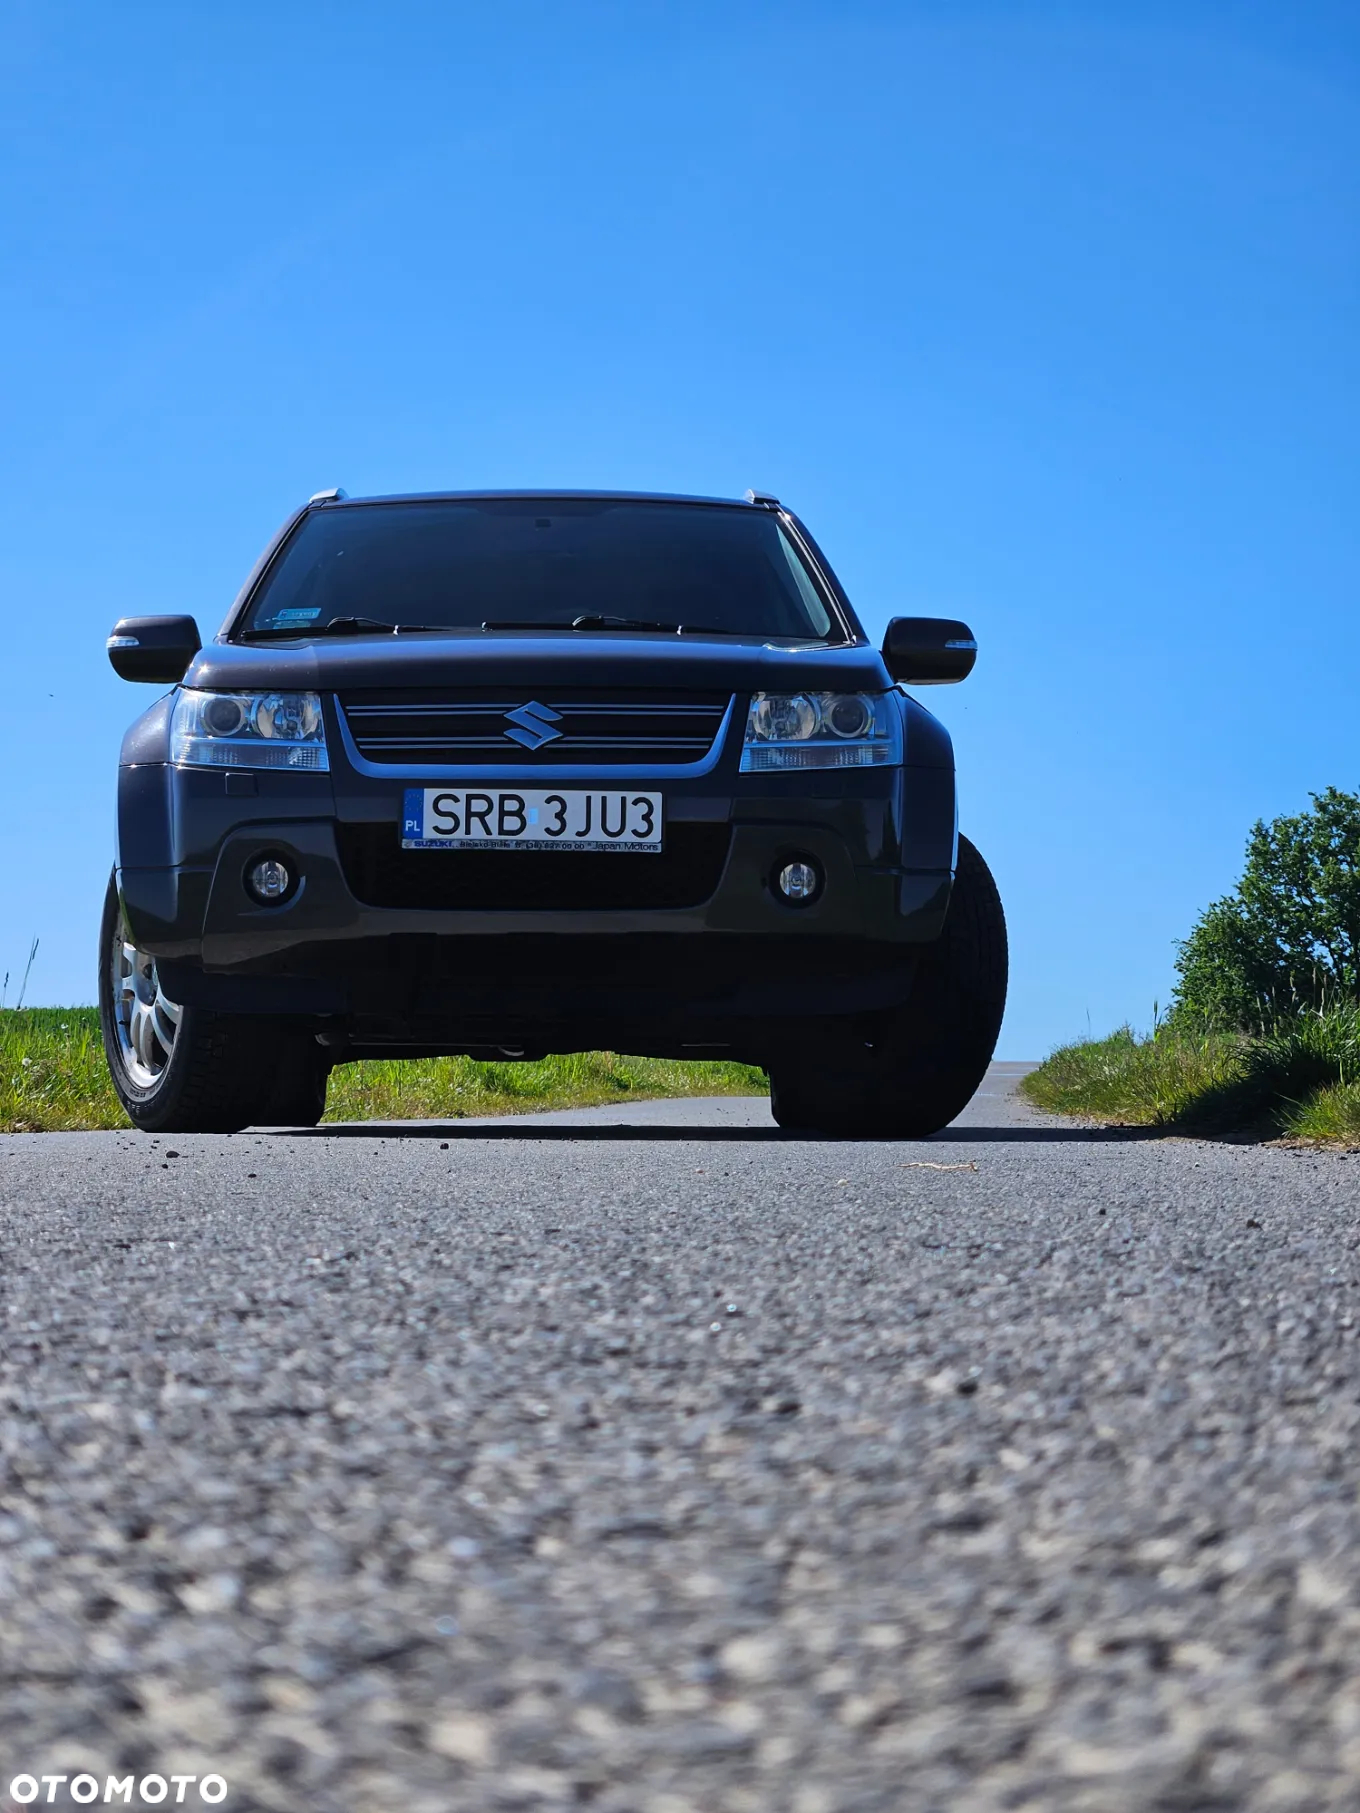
{"type": "Point", "coordinates": [343, 626]}
{"type": "Point", "coordinates": [592, 620]}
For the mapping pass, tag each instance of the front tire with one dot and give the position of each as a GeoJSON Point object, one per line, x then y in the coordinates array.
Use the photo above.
{"type": "Point", "coordinates": [913, 1070]}
{"type": "Point", "coordinates": [182, 1069]}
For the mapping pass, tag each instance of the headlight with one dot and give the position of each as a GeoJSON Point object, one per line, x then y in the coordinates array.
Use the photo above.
{"type": "Point", "coordinates": [822, 730]}
{"type": "Point", "coordinates": [248, 730]}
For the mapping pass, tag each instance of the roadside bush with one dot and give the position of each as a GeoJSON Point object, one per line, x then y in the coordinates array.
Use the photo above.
{"type": "Point", "coordinates": [1293, 1058]}
{"type": "Point", "coordinates": [1287, 939]}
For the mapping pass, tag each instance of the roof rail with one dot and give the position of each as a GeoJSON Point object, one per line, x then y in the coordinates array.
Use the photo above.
{"type": "Point", "coordinates": [334, 496]}
{"type": "Point", "coordinates": [767, 498]}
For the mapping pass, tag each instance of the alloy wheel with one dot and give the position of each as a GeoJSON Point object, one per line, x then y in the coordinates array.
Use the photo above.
{"type": "Point", "coordinates": [146, 1019]}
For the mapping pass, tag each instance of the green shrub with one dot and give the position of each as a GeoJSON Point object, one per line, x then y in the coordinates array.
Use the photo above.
{"type": "Point", "coordinates": [1264, 1031]}
{"type": "Point", "coordinates": [1295, 1057]}
{"type": "Point", "coordinates": [1287, 939]}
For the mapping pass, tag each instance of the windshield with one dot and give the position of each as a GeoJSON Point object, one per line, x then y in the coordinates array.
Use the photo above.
{"type": "Point", "coordinates": [547, 561]}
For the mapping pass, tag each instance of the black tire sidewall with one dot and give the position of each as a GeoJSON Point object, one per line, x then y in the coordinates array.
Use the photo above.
{"type": "Point", "coordinates": [918, 1068]}
{"type": "Point", "coordinates": [148, 1106]}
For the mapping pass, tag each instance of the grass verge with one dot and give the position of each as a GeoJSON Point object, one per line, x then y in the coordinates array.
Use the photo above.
{"type": "Point", "coordinates": [1299, 1078]}
{"type": "Point", "coordinates": [53, 1079]}
{"type": "Point", "coordinates": [449, 1088]}
{"type": "Point", "coordinates": [1138, 1082]}
{"type": "Point", "coordinates": [1331, 1116]}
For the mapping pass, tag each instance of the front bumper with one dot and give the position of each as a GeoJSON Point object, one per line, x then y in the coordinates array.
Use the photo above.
{"type": "Point", "coordinates": [882, 838]}
{"type": "Point", "coordinates": [197, 913]}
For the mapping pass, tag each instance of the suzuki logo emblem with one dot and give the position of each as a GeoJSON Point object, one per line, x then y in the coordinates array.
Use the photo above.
{"type": "Point", "coordinates": [533, 725]}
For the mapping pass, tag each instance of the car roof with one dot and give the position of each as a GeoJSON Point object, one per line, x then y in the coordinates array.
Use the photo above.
{"type": "Point", "coordinates": [628, 497]}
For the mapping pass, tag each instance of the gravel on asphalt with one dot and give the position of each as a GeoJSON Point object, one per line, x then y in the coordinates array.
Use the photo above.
{"type": "Point", "coordinates": [645, 1460]}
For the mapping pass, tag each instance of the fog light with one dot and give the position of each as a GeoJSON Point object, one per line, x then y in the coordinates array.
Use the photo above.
{"type": "Point", "coordinates": [799, 881]}
{"type": "Point", "coordinates": [269, 880]}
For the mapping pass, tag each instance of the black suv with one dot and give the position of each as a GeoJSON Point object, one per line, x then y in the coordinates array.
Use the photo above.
{"type": "Point", "coordinates": [510, 773]}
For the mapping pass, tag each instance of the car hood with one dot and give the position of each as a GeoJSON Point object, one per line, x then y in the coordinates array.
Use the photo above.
{"type": "Point", "coordinates": [529, 661]}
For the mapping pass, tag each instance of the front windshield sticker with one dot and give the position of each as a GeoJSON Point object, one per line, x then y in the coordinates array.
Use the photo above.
{"type": "Point", "coordinates": [295, 616]}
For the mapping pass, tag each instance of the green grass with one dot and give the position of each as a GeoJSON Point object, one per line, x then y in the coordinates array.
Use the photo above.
{"type": "Point", "coordinates": [1299, 1078]}
{"type": "Point", "coordinates": [433, 1088]}
{"type": "Point", "coordinates": [1330, 1115]}
{"type": "Point", "coordinates": [1139, 1082]}
{"type": "Point", "coordinates": [53, 1078]}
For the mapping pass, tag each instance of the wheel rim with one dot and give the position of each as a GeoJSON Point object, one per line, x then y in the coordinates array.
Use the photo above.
{"type": "Point", "coordinates": [144, 1015]}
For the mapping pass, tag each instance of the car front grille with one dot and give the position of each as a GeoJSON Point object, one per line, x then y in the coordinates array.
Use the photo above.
{"type": "Point", "coordinates": [381, 874]}
{"type": "Point", "coordinates": [478, 728]}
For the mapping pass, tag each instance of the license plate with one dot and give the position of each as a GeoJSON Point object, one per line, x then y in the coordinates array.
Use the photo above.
{"type": "Point", "coordinates": [501, 818]}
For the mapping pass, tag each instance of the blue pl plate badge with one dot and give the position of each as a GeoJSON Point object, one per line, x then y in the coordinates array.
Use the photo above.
{"type": "Point", "coordinates": [413, 812]}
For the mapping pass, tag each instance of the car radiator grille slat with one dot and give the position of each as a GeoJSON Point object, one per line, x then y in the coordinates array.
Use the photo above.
{"type": "Point", "coordinates": [444, 729]}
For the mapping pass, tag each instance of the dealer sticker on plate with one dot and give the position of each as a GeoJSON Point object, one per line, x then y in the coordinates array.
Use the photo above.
{"type": "Point", "coordinates": [501, 818]}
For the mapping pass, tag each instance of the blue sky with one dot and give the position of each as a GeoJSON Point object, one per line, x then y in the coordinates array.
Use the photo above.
{"type": "Point", "coordinates": [1042, 316]}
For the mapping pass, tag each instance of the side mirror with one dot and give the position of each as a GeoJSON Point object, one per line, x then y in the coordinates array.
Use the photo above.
{"type": "Point", "coordinates": [929, 651]}
{"type": "Point", "coordinates": [153, 648]}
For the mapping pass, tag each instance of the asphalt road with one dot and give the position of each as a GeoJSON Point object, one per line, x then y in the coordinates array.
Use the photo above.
{"type": "Point", "coordinates": [649, 1461]}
